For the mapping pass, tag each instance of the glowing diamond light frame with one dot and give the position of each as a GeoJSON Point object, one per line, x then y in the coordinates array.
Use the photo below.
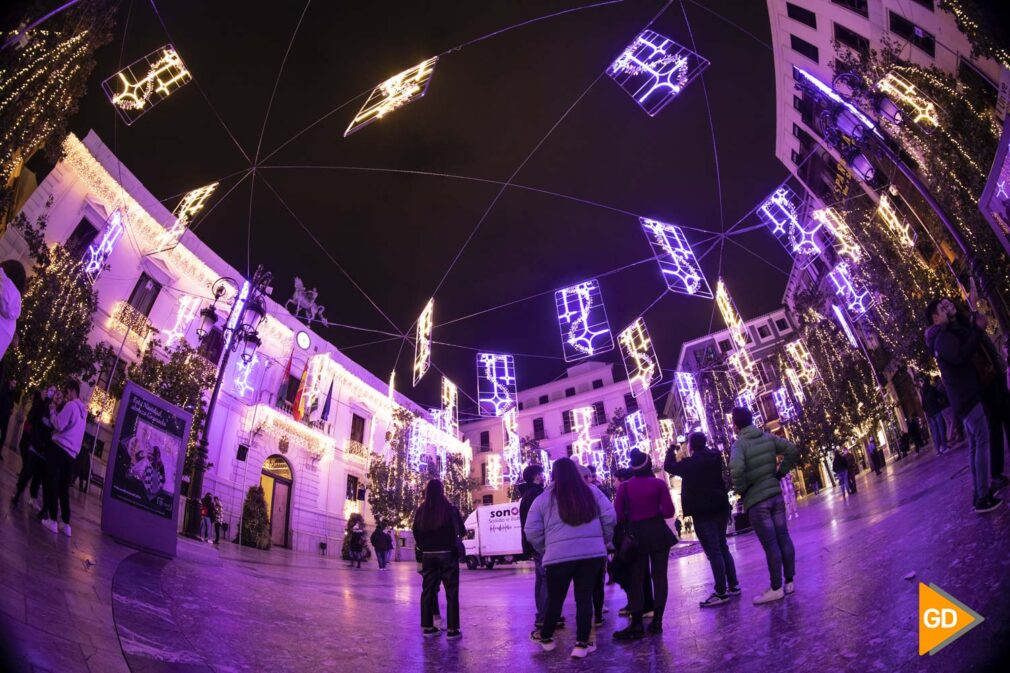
{"type": "Point", "coordinates": [677, 261]}
{"type": "Point", "coordinates": [857, 302]}
{"type": "Point", "coordinates": [511, 457]}
{"type": "Point", "coordinates": [896, 224]}
{"type": "Point", "coordinates": [397, 91]}
{"type": "Point", "coordinates": [142, 85]}
{"type": "Point", "coordinates": [845, 241]}
{"type": "Point", "coordinates": [900, 90]}
{"type": "Point", "coordinates": [582, 318]}
{"type": "Point", "coordinates": [422, 341]}
{"type": "Point", "coordinates": [782, 211]}
{"type": "Point", "coordinates": [748, 399]}
{"type": "Point", "coordinates": [784, 405]}
{"type": "Point", "coordinates": [450, 406]}
{"type": "Point", "coordinates": [185, 212]}
{"type": "Point", "coordinates": [654, 70]}
{"type": "Point", "coordinates": [690, 401]}
{"type": "Point", "coordinates": [98, 253]}
{"type": "Point", "coordinates": [803, 361]}
{"type": "Point", "coordinates": [640, 360]}
{"type": "Point", "coordinates": [496, 383]}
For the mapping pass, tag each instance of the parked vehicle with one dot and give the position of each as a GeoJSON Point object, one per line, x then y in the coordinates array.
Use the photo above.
{"type": "Point", "coordinates": [493, 535]}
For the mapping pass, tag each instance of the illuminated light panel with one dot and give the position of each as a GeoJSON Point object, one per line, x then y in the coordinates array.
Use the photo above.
{"type": "Point", "coordinates": [845, 242]}
{"type": "Point", "coordinates": [690, 402]}
{"type": "Point", "coordinates": [422, 342]}
{"type": "Point", "coordinates": [677, 261]}
{"type": "Point", "coordinates": [780, 211]}
{"type": "Point", "coordinates": [901, 90]}
{"type": "Point", "coordinates": [621, 448]}
{"type": "Point", "coordinates": [748, 400]}
{"type": "Point", "coordinates": [450, 406]}
{"type": "Point", "coordinates": [392, 387]}
{"type": "Point", "coordinates": [784, 405]}
{"type": "Point", "coordinates": [191, 204]}
{"type": "Point", "coordinates": [806, 368]}
{"type": "Point", "coordinates": [417, 446]}
{"type": "Point", "coordinates": [496, 383]}
{"type": "Point", "coordinates": [494, 471]}
{"type": "Point", "coordinates": [730, 316]}
{"type": "Point", "coordinates": [545, 462]}
{"type": "Point", "coordinates": [146, 82]}
{"type": "Point", "coordinates": [831, 94]}
{"type": "Point", "coordinates": [582, 317]}
{"type": "Point", "coordinates": [858, 303]}
{"type": "Point", "coordinates": [640, 359]}
{"type": "Point", "coordinates": [895, 223]}
{"type": "Point", "coordinates": [98, 253]}
{"type": "Point", "coordinates": [667, 432]}
{"type": "Point", "coordinates": [638, 433]}
{"type": "Point", "coordinates": [184, 316]}
{"type": "Point", "coordinates": [795, 384]}
{"type": "Point", "coordinates": [654, 69]}
{"type": "Point", "coordinates": [394, 93]}
{"type": "Point", "coordinates": [745, 367]}
{"type": "Point", "coordinates": [585, 447]}
{"type": "Point", "coordinates": [511, 457]}
{"type": "Point", "coordinates": [845, 326]}
{"type": "Point", "coordinates": [243, 375]}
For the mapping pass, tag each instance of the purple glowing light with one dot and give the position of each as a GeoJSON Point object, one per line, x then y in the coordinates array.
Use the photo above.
{"type": "Point", "coordinates": [654, 69]}
{"type": "Point", "coordinates": [582, 317]}
{"type": "Point", "coordinates": [677, 260]}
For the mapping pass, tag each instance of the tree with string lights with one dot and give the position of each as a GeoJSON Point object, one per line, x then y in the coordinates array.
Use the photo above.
{"type": "Point", "coordinates": [394, 489]}
{"type": "Point", "coordinates": [43, 75]}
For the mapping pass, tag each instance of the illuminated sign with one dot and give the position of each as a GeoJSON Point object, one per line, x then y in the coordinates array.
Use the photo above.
{"type": "Point", "coordinates": [677, 261]}
{"type": "Point", "coordinates": [582, 318]}
{"type": "Point", "coordinates": [146, 82]}
{"type": "Point", "coordinates": [496, 383]}
{"type": "Point", "coordinates": [98, 253]}
{"type": "Point", "coordinates": [858, 303]}
{"type": "Point", "coordinates": [654, 69]}
{"type": "Point", "coordinates": [394, 93]}
{"type": "Point", "coordinates": [640, 359]}
{"type": "Point", "coordinates": [422, 343]}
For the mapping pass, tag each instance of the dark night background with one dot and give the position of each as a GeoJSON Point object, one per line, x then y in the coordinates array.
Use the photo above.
{"type": "Point", "coordinates": [488, 105]}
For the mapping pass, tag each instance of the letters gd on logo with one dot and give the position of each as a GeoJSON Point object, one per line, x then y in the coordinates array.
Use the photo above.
{"type": "Point", "coordinates": [942, 619]}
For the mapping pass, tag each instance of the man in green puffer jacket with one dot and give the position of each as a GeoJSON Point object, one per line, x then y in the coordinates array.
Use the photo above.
{"type": "Point", "coordinates": [756, 473]}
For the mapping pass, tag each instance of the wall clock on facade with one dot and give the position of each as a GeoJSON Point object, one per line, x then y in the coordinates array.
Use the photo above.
{"type": "Point", "coordinates": [303, 340]}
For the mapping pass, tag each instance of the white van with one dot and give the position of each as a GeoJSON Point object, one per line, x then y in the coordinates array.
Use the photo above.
{"type": "Point", "coordinates": [493, 535]}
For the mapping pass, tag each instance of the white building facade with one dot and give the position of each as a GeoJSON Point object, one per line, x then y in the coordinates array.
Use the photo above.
{"type": "Point", "coordinates": [314, 470]}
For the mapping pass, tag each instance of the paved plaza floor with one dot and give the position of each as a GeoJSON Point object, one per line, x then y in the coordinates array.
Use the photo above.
{"type": "Point", "coordinates": [87, 604]}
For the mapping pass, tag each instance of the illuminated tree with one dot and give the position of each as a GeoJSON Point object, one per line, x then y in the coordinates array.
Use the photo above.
{"type": "Point", "coordinates": [393, 488]}
{"type": "Point", "coordinates": [255, 522]}
{"type": "Point", "coordinates": [458, 484]}
{"type": "Point", "coordinates": [42, 78]}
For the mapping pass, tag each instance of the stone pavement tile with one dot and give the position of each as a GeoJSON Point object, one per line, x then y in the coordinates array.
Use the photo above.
{"type": "Point", "coordinates": [12, 604]}
{"type": "Point", "coordinates": [107, 662]}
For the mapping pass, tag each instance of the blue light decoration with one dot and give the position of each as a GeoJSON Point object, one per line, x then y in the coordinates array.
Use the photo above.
{"type": "Point", "coordinates": [747, 399]}
{"type": "Point", "coordinates": [620, 448]}
{"type": "Point", "coordinates": [582, 317]}
{"type": "Point", "coordinates": [781, 212]}
{"type": "Point", "coordinates": [243, 375]}
{"type": "Point", "coordinates": [784, 405]}
{"type": "Point", "coordinates": [587, 450]}
{"type": "Point", "coordinates": [857, 302]}
{"type": "Point", "coordinates": [513, 466]}
{"type": "Point", "coordinates": [690, 402]}
{"type": "Point", "coordinates": [417, 446]}
{"type": "Point", "coordinates": [677, 261]}
{"type": "Point", "coordinates": [654, 69]}
{"type": "Point", "coordinates": [640, 359]}
{"type": "Point", "coordinates": [545, 462]}
{"type": "Point", "coordinates": [496, 383]}
{"type": "Point", "coordinates": [840, 315]}
{"type": "Point", "coordinates": [795, 384]}
{"type": "Point", "coordinates": [98, 253]}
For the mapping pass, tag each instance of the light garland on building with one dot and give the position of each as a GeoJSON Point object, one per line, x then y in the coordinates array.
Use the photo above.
{"type": "Point", "coordinates": [98, 252]}
{"type": "Point", "coordinates": [845, 241]}
{"type": "Point", "coordinates": [394, 93]}
{"type": "Point", "coordinates": [896, 87]}
{"type": "Point", "coordinates": [125, 319]}
{"type": "Point", "coordinates": [677, 261]}
{"type": "Point", "coordinates": [101, 405]}
{"type": "Point", "coordinates": [900, 229]}
{"type": "Point", "coordinates": [146, 82]}
{"type": "Point", "coordinates": [582, 318]}
{"type": "Point", "coordinates": [806, 368]}
{"type": "Point", "coordinates": [422, 342]}
{"type": "Point", "coordinates": [494, 471]}
{"type": "Point", "coordinates": [654, 69]}
{"type": "Point", "coordinates": [496, 383]}
{"type": "Point", "coordinates": [278, 425]}
{"type": "Point", "coordinates": [640, 360]}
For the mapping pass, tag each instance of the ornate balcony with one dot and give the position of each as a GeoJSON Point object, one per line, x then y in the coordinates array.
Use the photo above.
{"type": "Point", "coordinates": [126, 320]}
{"type": "Point", "coordinates": [358, 451]}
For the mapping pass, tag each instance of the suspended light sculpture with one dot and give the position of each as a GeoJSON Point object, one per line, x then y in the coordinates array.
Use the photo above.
{"type": "Point", "coordinates": [146, 82]}
{"type": "Point", "coordinates": [511, 457]}
{"type": "Point", "coordinates": [840, 315]}
{"type": "Point", "coordinates": [856, 301]}
{"type": "Point", "coordinates": [901, 230]}
{"type": "Point", "coordinates": [783, 405]}
{"type": "Point", "coordinates": [730, 316]}
{"type": "Point", "coordinates": [677, 261]}
{"type": "Point", "coordinates": [900, 89]}
{"type": "Point", "coordinates": [795, 384]}
{"type": "Point", "coordinates": [640, 359]}
{"type": "Point", "coordinates": [585, 447]}
{"type": "Point", "coordinates": [743, 364]}
{"type": "Point", "coordinates": [654, 69]}
{"type": "Point", "coordinates": [667, 432]}
{"type": "Point", "coordinates": [806, 368]}
{"type": "Point", "coordinates": [450, 406]}
{"type": "Point", "coordinates": [748, 400]}
{"type": "Point", "coordinates": [690, 402]}
{"type": "Point", "coordinates": [582, 317]}
{"type": "Point", "coordinates": [98, 253]}
{"type": "Point", "coordinates": [496, 383]}
{"type": "Point", "coordinates": [845, 241]}
{"type": "Point", "coordinates": [417, 446]}
{"type": "Point", "coordinates": [394, 93]}
{"type": "Point", "coordinates": [184, 316]}
{"type": "Point", "coordinates": [185, 212]}
{"type": "Point", "coordinates": [422, 341]}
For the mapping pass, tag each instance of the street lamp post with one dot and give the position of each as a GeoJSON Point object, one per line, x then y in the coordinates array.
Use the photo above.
{"type": "Point", "coordinates": [245, 315]}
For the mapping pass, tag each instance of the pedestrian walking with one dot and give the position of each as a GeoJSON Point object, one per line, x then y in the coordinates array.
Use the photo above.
{"type": "Point", "coordinates": [840, 467]}
{"type": "Point", "coordinates": [12, 286]}
{"type": "Point", "coordinates": [933, 404]}
{"type": "Point", "coordinates": [954, 342]}
{"type": "Point", "coordinates": [571, 525]}
{"type": "Point", "coordinates": [67, 416]}
{"type": "Point", "coordinates": [218, 519]}
{"type": "Point", "coordinates": [703, 497]}
{"type": "Point", "coordinates": [756, 478]}
{"type": "Point", "coordinates": [530, 489]}
{"type": "Point", "coordinates": [437, 529]}
{"type": "Point", "coordinates": [789, 496]}
{"type": "Point", "coordinates": [643, 505]}
{"type": "Point", "coordinates": [356, 546]}
{"type": "Point", "coordinates": [382, 542]}
{"type": "Point", "coordinates": [206, 516]}
{"type": "Point", "coordinates": [874, 454]}
{"type": "Point", "coordinates": [850, 461]}
{"type": "Point", "coordinates": [35, 438]}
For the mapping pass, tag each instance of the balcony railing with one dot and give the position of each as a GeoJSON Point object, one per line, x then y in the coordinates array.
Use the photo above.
{"type": "Point", "coordinates": [125, 319]}
{"type": "Point", "coordinates": [357, 450]}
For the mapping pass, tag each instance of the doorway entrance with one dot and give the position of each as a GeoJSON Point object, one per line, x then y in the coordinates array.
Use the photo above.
{"type": "Point", "coordinates": [276, 479]}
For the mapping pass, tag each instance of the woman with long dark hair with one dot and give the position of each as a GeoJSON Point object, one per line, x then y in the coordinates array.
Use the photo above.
{"type": "Point", "coordinates": [643, 504]}
{"type": "Point", "coordinates": [437, 528]}
{"type": "Point", "coordinates": [571, 525]}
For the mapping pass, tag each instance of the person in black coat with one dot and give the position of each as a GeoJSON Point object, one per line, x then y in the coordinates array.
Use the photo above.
{"type": "Point", "coordinates": [6, 405]}
{"type": "Point", "coordinates": [437, 529]}
{"type": "Point", "coordinates": [704, 497]}
{"type": "Point", "coordinates": [34, 440]}
{"type": "Point", "coordinates": [530, 489]}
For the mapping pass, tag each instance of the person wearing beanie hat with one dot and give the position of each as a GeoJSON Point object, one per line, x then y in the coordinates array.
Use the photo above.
{"type": "Point", "coordinates": [643, 505]}
{"type": "Point", "coordinates": [756, 474]}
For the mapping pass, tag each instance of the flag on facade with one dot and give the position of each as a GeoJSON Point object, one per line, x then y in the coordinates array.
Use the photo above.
{"type": "Point", "coordinates": [282, 391]}
{"type": "Point", "coordinates": [298, 411]}
{"type": "Point", "coordinates": [326, 405]}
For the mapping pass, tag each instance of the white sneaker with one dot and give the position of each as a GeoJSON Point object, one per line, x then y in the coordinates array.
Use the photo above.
{"type": "Point", "coordinates": [582, 650]}
{"type": "Point", "coordinates": [769, 596]}
{"type": "Point", "coordinates": [789, 588]}
{"type": "Point", "coordinates": [49, 525]}
{"type": "Point", "coordinates": [65, 529]}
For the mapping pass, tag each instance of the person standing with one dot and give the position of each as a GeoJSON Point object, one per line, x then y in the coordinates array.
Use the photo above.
{"type": "Point", "coordinates": [703, 497]}
{"type": "Point", "coordinates": [643, 505]}
{"type": "Point", "coordinates": [620, 569]}
{"type": "Point", "coordinates": [218, 519]}
{"type": "Point", "coordinates": [850, 461]}
{"type": "Point", "coordinates": [68, 416]}
{"type": "Point", "coordinates": [840, 467]}
{"type": "Point", "coordinates": [955, 345]}
{"type": "Point", "coordinates": [437, 529]}
{"type": "Point", "coordinates": [995, 401]}
{"type": "Point", "coordinates": [530, 490]}
{"type": "Point", "coordinates": [932, 406]}
{"type": "Point", "coordinates": [789, 496]}
{"type": "Point", "coordinates": [7, 400]}
{"type": "Point", "coordinates": [381, 543]}
{"type": "Point", "coordinates": [35, 439]}
{"type": "Point", "coordinates": [571, 525]}
{"type": "Point", "coordinates": [356, 547]}
{"type": "Point", "coordinates": [599, 588]}
{"type": "Point", "coordinates": [874, 455]}
{"type": "Point", "coordinates": [206, 515]}
{"type": "Point", "coordinates": [756, 478]}
{"type": "Point", "coordinates": [12, 286]}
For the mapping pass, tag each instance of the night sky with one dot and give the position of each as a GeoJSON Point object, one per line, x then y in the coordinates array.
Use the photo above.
{"type": "Point", "coordinates": [488, 106]}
